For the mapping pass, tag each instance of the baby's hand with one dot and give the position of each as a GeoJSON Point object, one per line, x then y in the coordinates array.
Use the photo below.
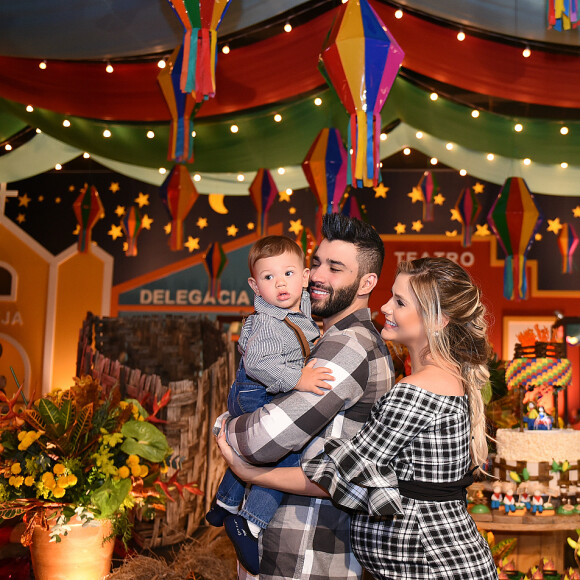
{"type": "Point", "coordinates": [313, 379]}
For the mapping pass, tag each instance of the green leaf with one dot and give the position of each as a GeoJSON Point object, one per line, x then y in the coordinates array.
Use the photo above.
{"type": "Point", "coordinates": [487, 392]}
{"type": "Point", "coordinates": [525, 474]}
{"type": "Point", "coordinates": [145, 440]}
{"type": "Point", "coordinates": [137, 404]}
{"type": "Point", "coordinates": [556, 466]}
{"type": "Point", "coordinates": [50, 413]}
{"type": "Point", "coordinates": [81, 426]}
{"type": "Point", "coordinates": [67, 413]}
{"type": "Point", "coordinates": [109, 497]}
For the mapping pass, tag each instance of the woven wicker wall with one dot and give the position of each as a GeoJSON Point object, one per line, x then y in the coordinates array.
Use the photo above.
{"type": "Point", "coordinates": [172, 345]}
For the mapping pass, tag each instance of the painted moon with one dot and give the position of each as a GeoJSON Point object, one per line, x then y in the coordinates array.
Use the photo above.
{"type": "Point", "coordinates": [216, 202]}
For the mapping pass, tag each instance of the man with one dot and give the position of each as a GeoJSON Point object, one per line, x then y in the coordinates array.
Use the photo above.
{"type": "Point", "coordinates": [309, 538]}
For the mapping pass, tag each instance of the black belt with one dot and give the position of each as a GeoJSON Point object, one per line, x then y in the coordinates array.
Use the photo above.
{"type": "Point", "coordinates": [431, 491]}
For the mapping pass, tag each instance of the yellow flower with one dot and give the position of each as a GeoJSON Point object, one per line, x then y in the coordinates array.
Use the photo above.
{"type": "Point", "coordinates": [58, 492]}
{"type": "Point", "coordinates": [164, 468]}
{"type": "Point", "coordinates": [48, 480]}
{"type": "Point", "coordinates": [136, 470]}
{"type": "Point", "coordinates": [132, 460]}
{"type": "Point", "coordinates": [144, 471]}
{"type": "Point", "coordinates": [16, 468]}
{"type": "Point", "coordinates": [72, 479]}
{"type": "Point", "coordinates": [22, 435]}
{"type": "Point", "coordinates": [29, 480]}
{"type": "Point", "coordinates": [123, 472]}
{"type": "Point", "coordinates": [59, 469]}
{"type": "Point", "coordinates": [16, 480]}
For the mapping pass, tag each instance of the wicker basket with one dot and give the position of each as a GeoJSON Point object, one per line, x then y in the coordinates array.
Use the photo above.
{"type": "Point", "coordinates": [540, 350]}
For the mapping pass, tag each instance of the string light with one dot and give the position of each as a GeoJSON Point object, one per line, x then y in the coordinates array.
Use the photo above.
{"type": "Point", "coordinates": [449, 146]}
{"type": "Point", "coordinates": [42, 65]}
{"type": "Point", "coordinates": [29, 109]}
{"type": "Point", "coordinates": [399, 14]}
{"type": "Point", "coordinates": [526, 53]}
{"type": "Point", "coordinates": [8, 147]}
{"type": "Point", "coordinates": [106, 133]}
{"type": "Point", "coordinates": [490, 156]}
{"type": "Point", "coordinates": [433, 96]}
{"type": "Point", "coordinates": [406, 151]}
{"type": "Point", "coordinates": [277, 117]}
{"type": "Point", "coordinates": [564, 130]}
{"type": "Point", "coordinates": [197, 177]}
{"type": "Point", "coordinates": [281, 171]}
{"type": "Point", "coordinates": [419, 135]}
{"type": "Point", "coordinates": [462, 172]}
{"type": "Point", "coordinates": [226, 49]}
{"type": "Point", "coordinates": [318, 101]}
{"type": "Point", "coordinates": [518, 127]}
{"type": "Point", "coordinates": [527, 161]}
{"type": "Point", "coordinates": [240, 177]}
{"type": "Point", "coordinates": [289, 191]}
{"type": "Point", "coordinates": [234, 128]}
{"type": "Point", "coordinates": [461, 36]}
{"type": "Point", "coordinates": [150, 134]}
{"type": "Point", "coordinates": [161, 63]}
{"type": "Point", "coordinates": [384, 137]}
{"type": "Point", "coordinates": [86, 155]}
{"type": "Point", "coordinates": [109, 68]}
{"type": "Point", "coordinates": [434, 160]}
{"type": "Point", "coordinates": [287, 27]}
{"type": "Point", "coordinates": [475, 113]}
{"type": "Point", "coordinates": [66, 123]}
{"type": "Point", "coordinates": [193, 133]}
{"type": "Point", "coordinates": [58, 166]}
{"type": "Point", "coordinates": [563, 165]}
{"type": "Point", "coordinates": [38, 131]}
{"type": "Point", "coordinates": [162, 170]}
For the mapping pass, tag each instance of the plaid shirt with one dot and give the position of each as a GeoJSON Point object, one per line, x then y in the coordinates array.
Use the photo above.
{"type": "Point", "coordinates": [309, 538]}
{"type": "Point", "coordinates": [270, 348]}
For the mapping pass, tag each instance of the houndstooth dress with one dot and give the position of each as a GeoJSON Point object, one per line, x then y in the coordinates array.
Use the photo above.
{"type": "Point", "coordinates": [411, 434]}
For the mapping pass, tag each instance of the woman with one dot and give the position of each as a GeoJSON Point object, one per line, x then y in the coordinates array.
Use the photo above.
{"type": "Point", "coordinates": [406, 471]}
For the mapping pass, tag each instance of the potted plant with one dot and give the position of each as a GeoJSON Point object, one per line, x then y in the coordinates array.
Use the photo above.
{"type": "Point", "coordinates": [76, 462]}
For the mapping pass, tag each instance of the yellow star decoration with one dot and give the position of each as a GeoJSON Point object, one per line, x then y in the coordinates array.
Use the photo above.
{"type": "Point", "coordinates": [57, 200]}
{"type": "Point", "coordinates": [167, 228]}
{"type": "Point", "coordinates": [125, 246]}
{"type": "Point", "coordinates": [284, 196]}
{"type": "Point", "coordinates": [120, 211]}
{"type": "Point", "coordinates": [415, 195]}
{"type": "Point", "coordinates": [292, 211]}
{"type": "Point", "coordinates": [478, 187]}
{"type": "Point", "coordinates": [23, 200]}
{"type": "Point", "coordinates": [417, 226]}
{"type": "Point", "coordinates": [451, 234]}
{"type": "Point", "coordinates": [538, 237]}
{"type": "Point", "coordinates": [251, 226]}
{"type": "Point", "coordinates": [576, 211]}
{"type": "Point", "coordinates": [192, 244]}
{"type": "Point", "coordinates": [142, 199]}
{"type": "Point", "coordinates": [296, 226]}
{"type": "Point", "coordinates": [114, 187]}
{"type": "Point", "coordinates": [21, 218]}
{"type": "Point", "coordinates": [400, 228]}
{"type": "Point", "coordinates": [71, 188]}
{"type": "Point", "coordinates": [455, 215]}
{"type": "Point", "coordinates": [146, 222]}
{"type": "Point", "coordinates": [77, 230]}
{"type": "Point", "coordinates": [115, 232]}
{"type": "Point", "coordinates": [555, 225]}
{"type": "Point", "coordinates": [232, 231]}
{"type": "Point", "coordinates": [482, 231]}
{"type": "Point", "coordinates": [201, 223]}
{"type": "Point", "coordinates": [439, 199]}
{"type": "Point", "coordinates": [381, 191]}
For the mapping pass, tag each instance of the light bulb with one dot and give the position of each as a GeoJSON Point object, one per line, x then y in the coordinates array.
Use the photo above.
{"type": "Point", "coordinates": [462, 172]}
{"type": "Point", "coordinates": [277, 117]}
{"type": "Point", "coordinates": [109, 68]}
{"type": "Point", "coordinates": [490, 156]}
{"type": "Point", "coordinates": [399, 14]}
{"type": "Point", "coordinates": [287, 27]}
{"type": "Point", "coordinates": [461, 36]}
{"type": "Point", "coordinates": [433, 96]}
{"type": "Point", "coordinates": [318, 101]}
{"type": "Point", "coordinates": [234, 128]}
{"type": "Point", "coordinates": [406, 151]}
{"type": "Point", "coordinates": [150, 134]}
{"type": "Point", "coordinates": [526, 53]}
{"type": "Point", "coordinates": [475, 113]}
{"type": "Point", "coordinates": [564, 130]}
{"type": "Point", "coordinates": [518, 127]}
{"type": "Point", "coordinates": [225, 49]}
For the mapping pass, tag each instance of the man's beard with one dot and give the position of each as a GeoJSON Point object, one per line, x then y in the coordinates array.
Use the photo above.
{"type": "Point", "coordinates": [337, 300]}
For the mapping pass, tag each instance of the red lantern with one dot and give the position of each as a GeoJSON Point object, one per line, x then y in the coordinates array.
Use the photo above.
{"type": "Point", "coordinates": [89, 210]}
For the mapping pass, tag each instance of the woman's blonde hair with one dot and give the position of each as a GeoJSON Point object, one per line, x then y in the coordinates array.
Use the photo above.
{"type": "Point", "coordinates": [454, 319]}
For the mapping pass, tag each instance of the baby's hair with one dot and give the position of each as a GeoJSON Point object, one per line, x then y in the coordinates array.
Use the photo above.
{"type": "Point", "coordinates": [272, 246]}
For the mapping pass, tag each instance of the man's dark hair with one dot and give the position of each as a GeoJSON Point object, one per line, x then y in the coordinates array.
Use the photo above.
{"type": "Point", "coordinates": [371, 250]}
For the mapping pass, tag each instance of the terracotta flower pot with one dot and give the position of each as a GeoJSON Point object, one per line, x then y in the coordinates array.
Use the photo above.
{"type": "Point", "coordinates": [80, 555]}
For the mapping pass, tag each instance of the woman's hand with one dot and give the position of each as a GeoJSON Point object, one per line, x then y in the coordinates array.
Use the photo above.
{"type": "Point", "coordinates": [240, 467]}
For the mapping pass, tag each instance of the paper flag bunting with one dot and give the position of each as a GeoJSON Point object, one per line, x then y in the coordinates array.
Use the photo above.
{"type": "Point", "coordinates": [360, 60]}
{"type": "Point", "coordinates": [88, 209]}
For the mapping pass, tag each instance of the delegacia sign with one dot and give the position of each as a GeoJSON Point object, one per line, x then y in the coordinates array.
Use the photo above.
{"type": "Point", "coordinates": [161, 297]}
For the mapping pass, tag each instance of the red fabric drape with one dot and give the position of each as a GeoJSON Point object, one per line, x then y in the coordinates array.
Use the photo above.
{"type": "Point", "coordinates": [285, 66]}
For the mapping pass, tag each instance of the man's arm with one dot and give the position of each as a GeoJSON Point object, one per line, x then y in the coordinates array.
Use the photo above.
{"type": "Point", "coordinates": [292, 420]}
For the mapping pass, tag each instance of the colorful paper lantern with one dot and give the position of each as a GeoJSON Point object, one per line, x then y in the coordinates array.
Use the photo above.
{"type": "Point", "coordinates": [562, 14]}
{"type": "Point", "coordinates": [88, 209]}
{"type": "Point", "coordinates": [182, 107]}
{"type": "Point", "coordinates": [468, 209]}
{"type": "Point", "coordinates": [307, 242]}
{"type": "Point", "coordinates": [352, 208]}
{"type": "Point", "coordinates": [132, 224]}
{"type": "Point", "coordinates": [429, 188]}
{"type": "Point", "coordinates": [200, 19]}
{"type": "Point", "coordinates": [568, 242]}
{"type": "Point", "coordinates": [263, 192]}
{"type": "Point", "coordinates": [360, 60]}
{"type": "Point", "coordinates": [514, 219]}
{"type": "Point", "coordinates": [214, 261]}
{"type": "Point", "coordinates": [178, 194]}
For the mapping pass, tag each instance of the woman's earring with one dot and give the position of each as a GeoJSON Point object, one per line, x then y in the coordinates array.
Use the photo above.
{"type": "Point", "coordinates": [436, 333]}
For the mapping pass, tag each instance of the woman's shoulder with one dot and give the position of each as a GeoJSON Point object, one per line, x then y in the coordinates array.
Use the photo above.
{"type": "Point", "coordinates": [435, 382]}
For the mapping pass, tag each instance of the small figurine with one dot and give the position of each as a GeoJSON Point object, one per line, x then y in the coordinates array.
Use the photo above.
{"type": "Point", "coordinates": [496, 497]}
{"type": "Point", "coordinates": [524, 499]}
{"type": "Point", "coordinates": [531, 415]}
{"type": "Point", "coordinates": [543, 422]}
{"type": "Point", "coordinates": [509, 502]}
{"type": "Point", "coordinates": [537, 501]}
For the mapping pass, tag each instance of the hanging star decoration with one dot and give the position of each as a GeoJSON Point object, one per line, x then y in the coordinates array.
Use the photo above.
{"type": "Point", "coordinates": [292, 210]}
{"type": "Point", "coordinates": [146, 222]}
{"type": "Point", "coordinates": [114, 187]}
{"type": "Point", "coordinates": [455, 216]}
{"type": "Point", "coordinates": [23, 200]}
{"type": "Point", "coordinates": [232, 231]}
{"type": "Point", "coordinates": [295, 226]}
{"type": "Point", "coordinates": [417, 226]}
{"type": "Point", "coordinates": [21, 218]}
{"type": "Point", "coordinates": [284, 196]}
{"type": "Point", "coordinates": [120, 211]}
{"type": "Point", "coordinates": [478, 187]}
{"type": "Point", "coordinates": [576, 211]}
{"type": "Point", "coordinates": [115, 231]}
{"type": "Point", "coordinates": [201, 223]}
{"type": "Point", "coordinates": [381, 191]}
{"type": "Point", "coordinates": [167, 228]}
{"type": "Point", "coordinates": [192, 244]}
{"type": "Point", "coordinates": [400, 228]}
{"type": "Point", "coordinates": [415, 195]}
{"type": "Point", "coordinates": [452, 234]}
{"type": "Point", "coordinates": [554, 225]}
{"type": "Point", "coordinates": [439, 199]}
{"type": "Point", "coordinates": [251, 226]}
{"type": "Point", "coordinates": [142, 199]}
{"type": "Point", "coordinates": [482, 231]}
